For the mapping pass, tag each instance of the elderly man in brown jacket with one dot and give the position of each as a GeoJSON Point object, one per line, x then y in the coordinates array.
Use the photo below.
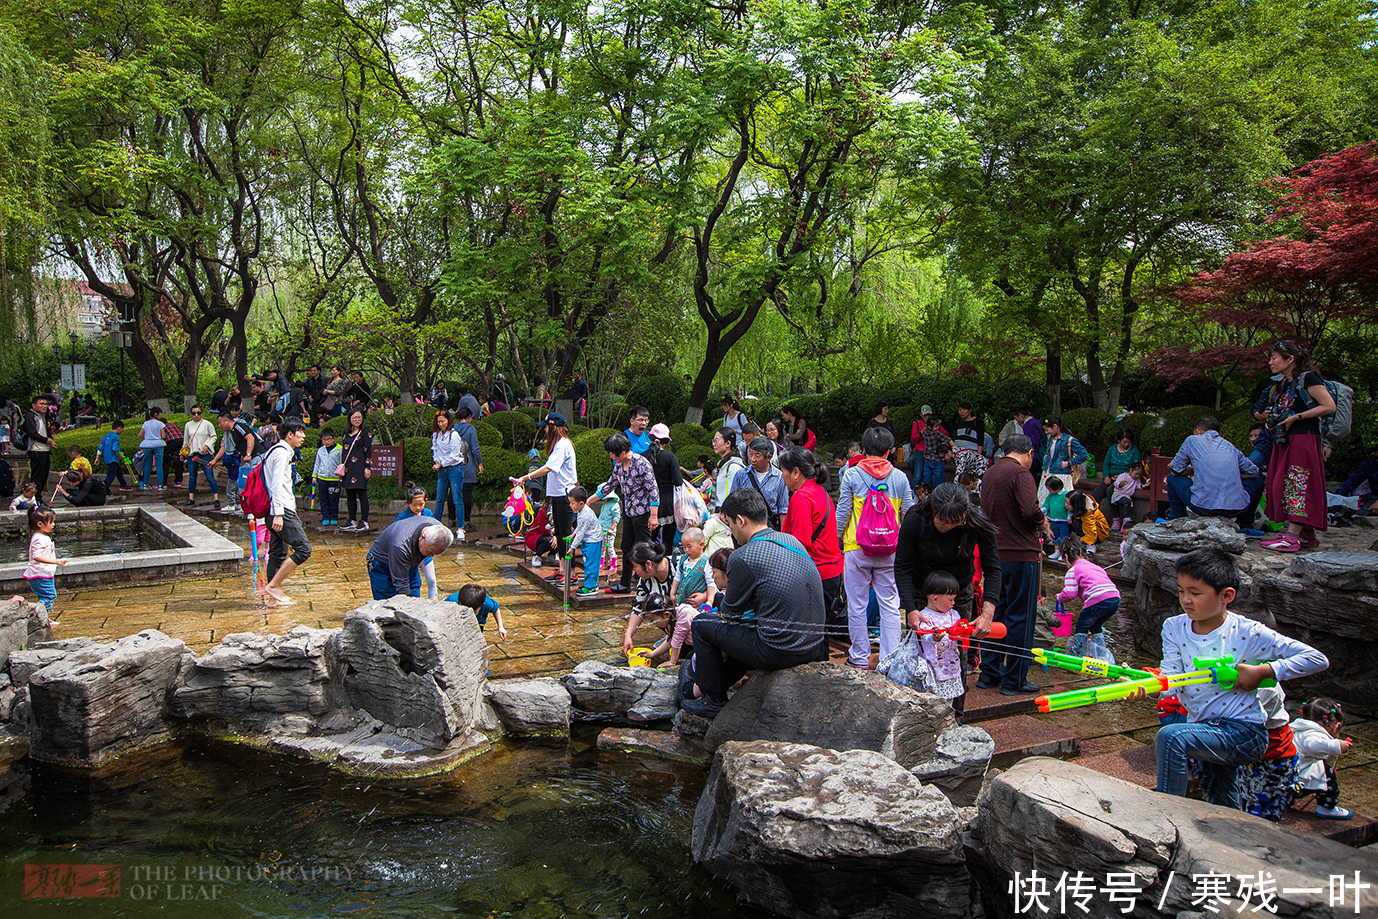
{"type": "Point", "coordinates": [1009, 498]}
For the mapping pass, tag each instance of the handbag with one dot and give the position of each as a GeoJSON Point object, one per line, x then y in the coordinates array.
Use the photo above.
{"type": "Point", "coordinates": [340, 469]}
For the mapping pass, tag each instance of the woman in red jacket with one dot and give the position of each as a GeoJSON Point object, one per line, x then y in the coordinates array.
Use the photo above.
{"type": "Point", "coordinates": [812, 520]}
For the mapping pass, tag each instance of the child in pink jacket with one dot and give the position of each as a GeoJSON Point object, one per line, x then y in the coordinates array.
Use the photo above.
{"type": "Point", "coordinates": [1100, 598]}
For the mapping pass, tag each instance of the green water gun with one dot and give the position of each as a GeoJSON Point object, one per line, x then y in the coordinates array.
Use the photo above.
{"type": "Point", "coordinates": [1219, 670]}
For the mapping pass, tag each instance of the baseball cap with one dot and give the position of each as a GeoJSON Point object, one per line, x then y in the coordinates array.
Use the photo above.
{"type": "Point", "coordinates": [556, 419]}
{"type": "Point", "coordinates": [660, 432]}
{"type": "Point", "coordinates": [926, 410]}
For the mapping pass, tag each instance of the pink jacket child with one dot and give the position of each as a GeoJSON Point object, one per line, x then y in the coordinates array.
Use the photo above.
{"type": "Point", "coordinates": [1100, 599]}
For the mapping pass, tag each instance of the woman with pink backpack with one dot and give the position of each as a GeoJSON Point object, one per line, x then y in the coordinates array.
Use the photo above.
{"type": "Point", "coordinates": [873, 498]}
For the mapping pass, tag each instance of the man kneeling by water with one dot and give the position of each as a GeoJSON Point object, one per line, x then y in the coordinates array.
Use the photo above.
{"type": "Point", "coordinates": [772, 615]}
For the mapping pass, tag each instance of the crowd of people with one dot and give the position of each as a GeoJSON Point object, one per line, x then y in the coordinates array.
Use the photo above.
{"type": "Point", "coordinates": [746, 562]}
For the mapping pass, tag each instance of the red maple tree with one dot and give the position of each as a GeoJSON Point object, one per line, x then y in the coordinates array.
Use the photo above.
{"type": "Point", "coordinates": [1299, 286]}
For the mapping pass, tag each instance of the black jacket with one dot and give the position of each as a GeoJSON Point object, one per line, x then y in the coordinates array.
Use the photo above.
{"type": "Point", "coordinates": [922, 550]}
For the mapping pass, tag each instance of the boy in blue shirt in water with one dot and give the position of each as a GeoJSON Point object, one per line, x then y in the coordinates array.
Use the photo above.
{"type": "Point", "coordinates": [475, 596]}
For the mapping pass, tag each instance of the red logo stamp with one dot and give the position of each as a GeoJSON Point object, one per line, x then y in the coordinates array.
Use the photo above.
{"type": "Point", "coordinates": [68, 881]}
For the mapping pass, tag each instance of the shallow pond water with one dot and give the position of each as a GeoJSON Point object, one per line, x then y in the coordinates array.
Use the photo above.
{"type": "Point", "coordinates": [14, 548]}
{"type": "Point", "coordinates": [208, 829]}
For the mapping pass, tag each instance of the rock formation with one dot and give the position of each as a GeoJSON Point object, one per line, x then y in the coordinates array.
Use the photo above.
{"type": "Point", "coordinates": [837, 707]}
{"type": "Point", "coordinates": [805, 831]}
{"type": "Point", "coordinates": [1059, 817]}
{"type": "Point", "coordinates": [534, 708]}
{"type": "Point", "coordinates": [641, 693]}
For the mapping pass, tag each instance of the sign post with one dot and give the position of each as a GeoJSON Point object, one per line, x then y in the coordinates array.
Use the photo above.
{"type": "Point", "coordinates": [387, 461]}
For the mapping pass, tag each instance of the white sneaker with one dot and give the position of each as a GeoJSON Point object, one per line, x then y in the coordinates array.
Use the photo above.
{"type": "Point", "coordinates": [1056, 556]}
{"type": "Point", "coordinates": [232, 509]}
{"type": "Point", "coordinates": [1334, 813]}
{"type": "Point", "coordinates": [537, 561]}
{"type": "Point", "coordinates": [459, 534]}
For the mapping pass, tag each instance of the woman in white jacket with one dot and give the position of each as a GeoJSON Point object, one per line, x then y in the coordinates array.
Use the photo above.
{"type": "Point", "coordinates": [1317, 734]}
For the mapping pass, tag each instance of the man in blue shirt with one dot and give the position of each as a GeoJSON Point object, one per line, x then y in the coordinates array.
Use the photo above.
{"type": "Point", "coordinates": [761, 476]}
{"type": "Point", "coordinates": [1216, 486]}
{"type": "Point", "coordinates": [636, 430]}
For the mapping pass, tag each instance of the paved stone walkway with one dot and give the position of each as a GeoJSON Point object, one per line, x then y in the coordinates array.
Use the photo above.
{"type": "Point", "coordinates": [542, 638]}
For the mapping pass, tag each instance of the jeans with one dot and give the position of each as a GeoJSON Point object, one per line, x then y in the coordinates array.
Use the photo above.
{"type": "Point", "coordinates": [1179, 499]}
{"type": "Point", "coordinates": [153, 461]}
{"type": "Point", "coordinates": [231, 479]}
{"type": "Point", "coordinates": [292, 535]}
{"type": "Point", "coordinates": [862, 573]}
{"type": "Point", "coordinates": [1220, 745]}
{"type": "Point", "coordinates": [916, 468]}
{"type": "Point", "coordinates": [199, 463]}
{"type": "Point", "coordinates": [115, 471]}
{"type": "Point", "coordinates": [1253, 487]}
{"type": "Point", "coordinates": [934, 470]}
{"type": "Point", "coordinates": [1006, 660]}
{"type": "Point", "coordinates": [449, 488]}
{"type": "Point", "coordinates": [1094, 617]}
{"type": "Point", "coordinates": [724, 651]}
{"type": "Point", "coordinates": [1061, 530]}
{"type": "Point", "coordinates": [593, 558]}
{"type": "Point", "coordinates": [380, 581]}
{"type": "Point", "coordinates": [45, 591]}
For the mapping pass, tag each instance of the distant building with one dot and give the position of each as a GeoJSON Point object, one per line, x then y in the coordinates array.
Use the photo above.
{"type": "Point", "coordinates": [66, 305]}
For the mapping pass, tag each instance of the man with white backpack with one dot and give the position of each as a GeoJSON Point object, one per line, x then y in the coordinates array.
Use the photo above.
{"type": "Point", "coordinates": [871, 502]}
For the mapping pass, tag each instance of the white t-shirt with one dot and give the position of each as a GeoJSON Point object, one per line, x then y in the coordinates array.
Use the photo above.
{"type": "Point", "coordinates": [152, 433]}
{"type": "Point", "coordinates": [1248, 642]}
{"type": "Point", "coordinates": [562, 473]}
{"type": "Point", "coordinates": [41, 544]}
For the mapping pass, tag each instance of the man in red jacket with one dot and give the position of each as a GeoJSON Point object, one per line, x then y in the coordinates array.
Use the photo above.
{"type": "Point", "coordinates": [1009, 498]}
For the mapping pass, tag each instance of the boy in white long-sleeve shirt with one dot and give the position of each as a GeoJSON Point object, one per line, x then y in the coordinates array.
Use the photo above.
{"type": "Point", "coordinates": [1225, 728]}
{"type": "Point", "coordinates": [287, 529]}
{"type": "Point", "coordinates": [588, 535]}
{"type": "Point", "coordinates": [328, 459]}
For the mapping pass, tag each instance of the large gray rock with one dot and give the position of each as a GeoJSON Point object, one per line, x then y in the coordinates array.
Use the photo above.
{"type": "Point", "coordinates": [1189, 533]}
{"type": "Point", "coordinates": [21, 624]}
{"type": "Point", "coordinates": [804, 831]}
{"type": "Point", "coordinates": [1059, 817]}
{"type": "Point", "coordinates": [417, 665]}
{"type": "Point", "coordinates": [255, 683]}
{"type": "Point", "coordinates": [640, 693]}
{"type": "Point", "coordinates": [99, 701]}
{"type": "Point", "coordinates": [958, 765]}
{"type": "Point", "coordinates": [34, 658]}
{"type": "Point", "coordinates": [1349, 571]}
{"type": "Point", "coordinates": [531, 707]}
{"type": "Point", "coordinates": [840, 708]}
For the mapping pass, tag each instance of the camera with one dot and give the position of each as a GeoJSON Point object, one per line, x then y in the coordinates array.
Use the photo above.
{"type": "Point", "coordinates": [1274, 423]}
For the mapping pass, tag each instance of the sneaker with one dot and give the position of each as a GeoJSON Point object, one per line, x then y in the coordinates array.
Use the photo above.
{"type": "Point", "coordinates": [350, 527]}
{"type": "Point", "coordinates": [459, 534]}
{"type": "Point", "coordinates": [703, 706]}
{"type": "Point", "coordinates": [362, 528]}
{"type": "Point", "coordinates": [190, 502]}
{"type": "Point", "coordinates": [537, 561]}
{"type": "Point", "coordinates": [232, 509]}
{"type": "Point", "coordinates": [1115, 527]}
{"type": "Point", "coordinates": [1311, 543]}
{"type": "Point", "coordinates": [1334, 813]}
{"type": "Point", "coordinates": [1252, 533]}
{"type": "Point", "coordinates": [586, 592]}
{"type": "Point", "coordinates": [1055, 557]}
{"type": "Point", "coordinates": [1128, 522]}
{"type": "Point", "coordinates": [619, 589]}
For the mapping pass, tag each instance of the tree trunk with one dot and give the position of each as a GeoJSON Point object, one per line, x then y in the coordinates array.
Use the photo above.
{"type": "Point", "coordinates": [191, 369]}
{"type": "Point", "coordinates": [1053, 377]}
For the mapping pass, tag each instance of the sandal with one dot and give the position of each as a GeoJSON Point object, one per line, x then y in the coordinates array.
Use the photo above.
{"type": "Point", "coordinates": [1283, 542]}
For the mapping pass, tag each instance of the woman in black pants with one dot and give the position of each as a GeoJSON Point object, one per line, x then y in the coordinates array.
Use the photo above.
{"type": "Point", "coordinates": [358, 445]}
{"type": "Point", "coordinates": [666, 466]}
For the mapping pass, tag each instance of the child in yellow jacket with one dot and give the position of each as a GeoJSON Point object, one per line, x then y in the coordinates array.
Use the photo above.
{"type": "Point", "coordinates": [1088, 518]}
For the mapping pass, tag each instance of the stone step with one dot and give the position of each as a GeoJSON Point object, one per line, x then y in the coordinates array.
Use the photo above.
{"type": "Point", "coordinates": [538, 576]}
{"type": "Point", "coordinates": [1137, 765]}
{"type": "Point", "coordinates": [1019, 736]}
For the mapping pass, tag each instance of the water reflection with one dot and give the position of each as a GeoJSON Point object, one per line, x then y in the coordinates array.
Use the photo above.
{"type": "Point", "coordinates": [526, 831]}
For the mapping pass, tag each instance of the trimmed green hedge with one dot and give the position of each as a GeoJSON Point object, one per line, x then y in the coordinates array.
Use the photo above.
{"type": "Point", "coordinates": [489, 437]}
{"type": "Point", "coordinates": [1169, 429]}
{"type": "Point", "coordinates": [517, 429]}
{"type": "Point", "coordinates": [1088, 426]}
{"type": "Point", "coordinates": [594, 465]}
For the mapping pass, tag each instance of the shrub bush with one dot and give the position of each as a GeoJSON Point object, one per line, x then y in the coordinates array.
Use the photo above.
{"type": "Point", "coordinates": [1235, 429]}
{"type": "Point", "coordinates": [1088, 426]}
{"type": "Point", "coordinates": [667, 397]}
{"type": "Point", "coordinates": [1358, 446]}
{"type": "Point", "coordinates": [499, 465]}
{"type": "Point", "coordinates": [1134, 423]}
{"type": "Point", "coordinates": [1170, 428]}
{"type": "Point", "coordinates": [417, 460]}
{"type": "Point", "coordinates": [591, 460]}
{"type": "Point", "coordinates": [683, 432]}
{"type": "Point", "coordinates": [517, 429]}
{"type": "Point", "coordinates": [489, 438]}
